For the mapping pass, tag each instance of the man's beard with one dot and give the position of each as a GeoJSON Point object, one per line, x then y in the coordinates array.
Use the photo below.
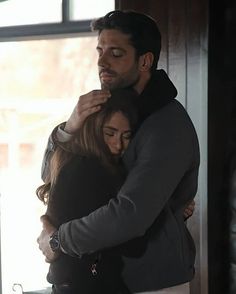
{"type": "Point", "coordinates": [119, 85]}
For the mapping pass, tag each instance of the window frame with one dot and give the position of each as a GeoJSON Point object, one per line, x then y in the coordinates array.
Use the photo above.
{"type": "Point", "coordinates": [32, 31]}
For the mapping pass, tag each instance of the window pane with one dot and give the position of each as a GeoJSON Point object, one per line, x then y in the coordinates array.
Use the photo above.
{"type": "Point", "coordinates": [90, 9]}
{"type": "Point", "coordinates": [40, 84]}
{"type": "Point", "coordinates": [15, 12]}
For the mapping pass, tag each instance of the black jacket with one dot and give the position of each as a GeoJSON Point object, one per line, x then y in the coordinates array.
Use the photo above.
{"type": "Point", "coordinates": [83, 185]}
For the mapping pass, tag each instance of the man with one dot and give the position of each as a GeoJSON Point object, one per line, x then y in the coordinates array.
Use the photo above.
{"type": "Point", "coordinates": [162, 161]}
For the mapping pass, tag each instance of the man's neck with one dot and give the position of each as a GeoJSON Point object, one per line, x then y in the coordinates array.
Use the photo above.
{"type": "Point", "coordinates": [142, 82]}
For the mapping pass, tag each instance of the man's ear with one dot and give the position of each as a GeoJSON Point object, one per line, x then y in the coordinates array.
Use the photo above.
{"type": "Point", "coordinates": [146, 61]}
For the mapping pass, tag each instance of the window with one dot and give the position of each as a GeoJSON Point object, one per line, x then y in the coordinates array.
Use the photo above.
{"type": "Point", "coordinates": [41, 83]}
{"type": "Point", "coordinates": [15, 12]}
{"type": "Point", "coordinates": [82, 9]}
{"type": "Point", "coordinates": [41, 18]}
{"type": "Point", "coordinates": [41, 80]}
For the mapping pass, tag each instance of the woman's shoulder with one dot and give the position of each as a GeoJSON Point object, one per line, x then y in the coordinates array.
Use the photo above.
{"type": "Point", "coordinates": [83, 167]}
{"type": "Point", "coordinates": [85, 162]}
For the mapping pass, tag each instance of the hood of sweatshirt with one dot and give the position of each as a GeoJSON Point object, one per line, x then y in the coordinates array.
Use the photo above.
{"type": "Point", "coordinates": [158, 92]}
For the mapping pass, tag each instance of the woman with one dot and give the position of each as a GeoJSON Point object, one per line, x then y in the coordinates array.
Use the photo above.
{"type": "Point", "coordinates": [89, 164]}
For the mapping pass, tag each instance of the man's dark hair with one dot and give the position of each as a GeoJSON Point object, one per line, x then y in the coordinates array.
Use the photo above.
{"type": "Point", "coordinates": [142, 29]}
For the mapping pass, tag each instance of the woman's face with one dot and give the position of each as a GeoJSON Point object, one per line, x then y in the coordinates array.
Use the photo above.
{"type": "Point", "coordinates": [117, 133]}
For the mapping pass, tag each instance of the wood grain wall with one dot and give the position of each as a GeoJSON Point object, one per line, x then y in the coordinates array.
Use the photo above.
{"type": "Point", "coordinates": [184, 28]}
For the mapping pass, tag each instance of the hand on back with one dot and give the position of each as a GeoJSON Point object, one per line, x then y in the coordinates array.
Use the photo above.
{"type": "Point", "coordinates": [44, 237]}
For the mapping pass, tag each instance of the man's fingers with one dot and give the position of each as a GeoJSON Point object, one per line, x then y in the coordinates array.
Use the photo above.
{"type": "Point", "coordinates": [93, 98]}
{"type": "Point", "coordinates": [90, 103]}
{"type": "Point", "coordinates": [188, 212]}
{"type": "Point", "coordinates": [48, 227]}
{"type": "Point", "coordinates": [45, 221]}
{"type": "Point", "coordinates": [89, 111]}
{"type": "Point", "coordinates": [190, 208]}
{"type": "Point", "coordinates": [44, 218]}
{"type": "Point", "coordinates": [86, 105]}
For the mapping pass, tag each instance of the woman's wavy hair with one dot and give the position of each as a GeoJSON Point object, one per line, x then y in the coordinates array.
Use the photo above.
{"type": "Point", "coordinates": [89, 139]}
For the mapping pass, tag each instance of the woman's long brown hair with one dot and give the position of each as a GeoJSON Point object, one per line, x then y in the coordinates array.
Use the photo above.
{"type": "Point", "coordinates": [89, 139]}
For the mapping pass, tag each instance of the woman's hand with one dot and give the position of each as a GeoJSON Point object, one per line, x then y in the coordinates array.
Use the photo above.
{"type": "Point", "coordinates": [189, 210]}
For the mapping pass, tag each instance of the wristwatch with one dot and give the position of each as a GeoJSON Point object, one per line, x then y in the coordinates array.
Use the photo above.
{"type": "Point", "coordinates": [54, 241]}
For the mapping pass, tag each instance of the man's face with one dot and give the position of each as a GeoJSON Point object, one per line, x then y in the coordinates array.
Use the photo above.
{"type": "Point", "coordinates": [117, 63]}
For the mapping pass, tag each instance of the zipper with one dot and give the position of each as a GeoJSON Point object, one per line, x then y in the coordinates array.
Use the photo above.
{"type": "Point", "coordinates": [94, 265]}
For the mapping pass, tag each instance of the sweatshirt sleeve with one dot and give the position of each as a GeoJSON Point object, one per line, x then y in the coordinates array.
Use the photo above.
{"type": "Point", "coordinates": [58, 134]}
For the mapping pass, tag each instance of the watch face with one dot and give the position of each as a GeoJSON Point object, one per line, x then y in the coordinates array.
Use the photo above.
{"type": "Point", "coordinates": [54, 242]}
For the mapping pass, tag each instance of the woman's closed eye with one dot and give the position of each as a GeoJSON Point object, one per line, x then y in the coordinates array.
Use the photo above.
{"type": "Point", "coordinates": [109, 134]}
{"type": "Point", "coordinates": [127, 135]}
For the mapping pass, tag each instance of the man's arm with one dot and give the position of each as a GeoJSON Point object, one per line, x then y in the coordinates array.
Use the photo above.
{"type": "Point", "coordinates": [57, 135]}
{"type": "Point", "coordinates": [48, 230]}
{"type": "Point", "coordinates": [44, 240]}
{"type": "Point", "coordinates": [86, 105]}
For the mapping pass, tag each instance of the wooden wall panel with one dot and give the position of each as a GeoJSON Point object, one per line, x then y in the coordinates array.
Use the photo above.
{"type": "Point", "coordinates": [183, 24]}
{"type": "Point", "coordinates": [196, 99]}
{"type": "Point", "coordinates": [138, 5]}
{"type": "Point", "coordinates": [159, 11]}
{"type": "Point", "coordinates": [177, 29]}
{"type": "Point", "coordinates": [221, 144]}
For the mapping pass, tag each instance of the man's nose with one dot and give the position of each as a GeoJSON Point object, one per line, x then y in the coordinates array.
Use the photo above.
{"type": "Point", "coordinates": [103, 60]}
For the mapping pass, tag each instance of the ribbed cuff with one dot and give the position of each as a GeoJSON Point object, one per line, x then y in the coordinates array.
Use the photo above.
{"type": "Point", "coordinates": [59, 135]}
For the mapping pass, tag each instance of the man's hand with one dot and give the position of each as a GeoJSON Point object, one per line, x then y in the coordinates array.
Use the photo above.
{"type": "Point", "coordinates": [188, 211]}
{"type": "Point", "coordinates": [43, 240]}
{"type": "Point", "coordinates": [87, 104]}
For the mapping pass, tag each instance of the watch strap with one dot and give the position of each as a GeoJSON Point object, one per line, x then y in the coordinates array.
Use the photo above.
{"type": "Point", "coordinates": [54, 241]}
